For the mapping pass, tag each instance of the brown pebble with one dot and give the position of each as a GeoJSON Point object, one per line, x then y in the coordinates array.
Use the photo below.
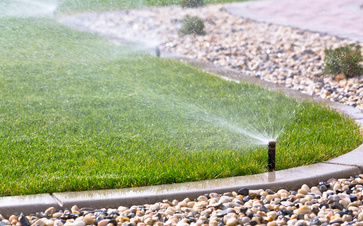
{"type": "Point", "coordinates": [13, 218]}
{"type": "Point", "coordinates": [103, 223]}
{"type": "Point", "coordinates": [50, 211]}
{"type": "Point", "coordinates": [57, 215]}
{"type": "Point", "coordinates": [39, 222]}
{"type": "Point", "coordinates": [58, 223]}
{"type": "Point", "coordinates": [89, 219]}
{"type": "Point", "coordinates": [340, 77]}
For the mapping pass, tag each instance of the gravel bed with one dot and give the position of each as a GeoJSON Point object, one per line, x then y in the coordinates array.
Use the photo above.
{"type": "Point", "coordinates": [279, 54]}
{"type": "Point", "coordinates": [334, 202]}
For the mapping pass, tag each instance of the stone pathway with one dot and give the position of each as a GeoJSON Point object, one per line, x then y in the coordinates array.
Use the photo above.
{"type": "Point", "coordinates": [342, 18]}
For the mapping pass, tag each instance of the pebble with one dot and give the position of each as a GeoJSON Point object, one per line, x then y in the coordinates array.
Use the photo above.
{"type": "Point", "coordinates": [50, 211]}
{"type": "Point", "coordinates": [243, 192]}
{"type": "Point", "coordinates": [278, 54]}
{"type": "Point", "coordinates": [58, 223]}
{"type": "Point", "coordinates": [283, 207]}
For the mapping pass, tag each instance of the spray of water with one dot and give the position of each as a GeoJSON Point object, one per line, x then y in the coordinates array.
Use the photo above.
{"type": "Point", "coordinates": [251, 134]}
{"type": "Point", "coordinates": [254, 128]}
{"type": "Point", "coordinates": [246, 129]}
{"type": "Point", "coordinates": [257, 137]}
{"type": "Point", "coordinates": [28, 8]}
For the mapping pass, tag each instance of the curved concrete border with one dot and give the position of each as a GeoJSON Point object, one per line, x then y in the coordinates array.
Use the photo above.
{"type": "Point", "coordinates": [343, 166]}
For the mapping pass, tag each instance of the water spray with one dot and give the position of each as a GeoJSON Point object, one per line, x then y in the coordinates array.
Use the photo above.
{"type": "Point", "coordinates": [271, 156]}
{"type": "Point", "coordinates": [28, 8]}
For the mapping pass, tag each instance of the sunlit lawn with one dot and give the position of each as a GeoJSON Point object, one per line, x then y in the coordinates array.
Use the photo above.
{"type": "Point", "coordinates": [102, 5]}
{"type": "Point", "coordinates": [78, 112]}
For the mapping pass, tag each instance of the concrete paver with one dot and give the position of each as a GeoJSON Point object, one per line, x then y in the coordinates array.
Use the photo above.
{"type": "Point", "coordinates": [342, 18]}
{"type": "Point", "coordinates": [353, 158]}
{"type": "Point", "coordinates": [26, 204]}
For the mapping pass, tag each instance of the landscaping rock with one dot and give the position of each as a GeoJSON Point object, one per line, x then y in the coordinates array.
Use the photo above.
{"type": "Point", "coordinates": [278, 54]}
{"type": "Point", "coordinates": [295, 207]}
{"type": "Point", "coordinates": [243, 192]}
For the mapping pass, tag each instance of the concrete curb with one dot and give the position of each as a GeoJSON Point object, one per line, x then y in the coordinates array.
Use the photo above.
{"type": "Point", "coordinates": [342, 166]}
{"type": "Point", "coordinates": [26, 204]}
{"type": "Point", "coordinates": [290, 179]}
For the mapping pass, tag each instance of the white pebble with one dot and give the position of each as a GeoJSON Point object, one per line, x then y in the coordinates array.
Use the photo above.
{"type": "Point", "coordinates": [58, 223]}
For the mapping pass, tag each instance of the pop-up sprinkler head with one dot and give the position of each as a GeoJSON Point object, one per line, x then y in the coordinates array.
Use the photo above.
{"type": "Point", "coordinates": [157, 51]}
{"type": "Point", "coordinates": [271, 156]}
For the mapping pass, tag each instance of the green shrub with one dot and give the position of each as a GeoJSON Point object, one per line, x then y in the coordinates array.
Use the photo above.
{"type": "Point", "coordinates": [192, 25]}
{"type": "Point", "coordinates": [191, 3]}
{"type": "Point", "coordinates": [343, 60]}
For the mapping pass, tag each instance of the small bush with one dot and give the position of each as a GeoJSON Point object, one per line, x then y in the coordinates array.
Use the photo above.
{"type": "Point", "coordinates": [343, 60]}
{"type": "Point", "coordinates": [191, 3]}
{"type": "Point", "coordinates": [192, 25]}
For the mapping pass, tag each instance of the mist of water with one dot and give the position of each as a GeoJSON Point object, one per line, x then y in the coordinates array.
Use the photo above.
{"type": "Point", "coordinates": [28, 8]}
{"type": "Point", "coordinates": [251, 126]}
{"type": "Point", "coordinates": [249, 133]}
{"type": "Point", "coordinates": [247, 128]}
{"type": "Point", "coordinates": [256, 137]}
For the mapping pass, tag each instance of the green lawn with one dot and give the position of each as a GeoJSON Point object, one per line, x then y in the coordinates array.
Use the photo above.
{"type": "Point", "coordinates": [102, 5]}
{"type": "Point", "coordinates": [78, 113]}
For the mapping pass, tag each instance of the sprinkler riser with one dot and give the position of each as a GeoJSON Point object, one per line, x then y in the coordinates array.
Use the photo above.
{"type": "Point", "coordinates": [271, 156]}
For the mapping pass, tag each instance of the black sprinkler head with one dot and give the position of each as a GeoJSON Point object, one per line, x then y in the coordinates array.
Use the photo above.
{"type": "Point", "coordinates": [271, 156]}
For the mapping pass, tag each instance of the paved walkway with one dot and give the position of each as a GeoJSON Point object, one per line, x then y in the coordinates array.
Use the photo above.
{"type": "Point", "coordinates": [343, 18]}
